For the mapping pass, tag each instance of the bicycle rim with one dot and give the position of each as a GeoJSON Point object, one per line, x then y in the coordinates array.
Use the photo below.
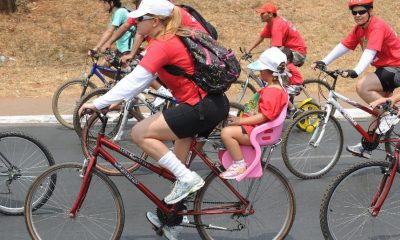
{"type": "Point", "coordinates": [300, 155]}
{"type": "Point", "coordinates": [345, 212]}
{"type": "Point", "coordinates": [65, 99]}
{"type": "Point", "coordinates": [92, 129]}
{"type": "Point", "coordinates": [28, 158]}
{"type": "Point", "coordinates": [272, 200]}
{"type": "Point", "coordinates": [101, 215]}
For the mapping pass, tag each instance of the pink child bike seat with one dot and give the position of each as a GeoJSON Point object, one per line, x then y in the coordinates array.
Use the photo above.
{"type": "Point", "coordinates": [261, 136]}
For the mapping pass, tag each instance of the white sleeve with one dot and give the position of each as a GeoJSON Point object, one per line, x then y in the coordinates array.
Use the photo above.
{"type": "Point", "coordinates": [128, 87]}
{"type": "Point", "coordinates": [337, 52]}
{"type": "Point", "coordinates": [366, 58]}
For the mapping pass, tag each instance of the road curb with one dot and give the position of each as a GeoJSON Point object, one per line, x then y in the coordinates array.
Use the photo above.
{"type": "Point", "coordinates": [46, 119]}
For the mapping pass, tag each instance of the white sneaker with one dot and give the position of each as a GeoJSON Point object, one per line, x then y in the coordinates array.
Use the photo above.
{"type": "Point", "coordinates": [170, 233]}
{"type": "Point", "coordinates": [386, 123]}
{"type": "Point", "coordinates": [158, 101]}
{"type": "Point", "coordinates": [358, 150]}
{"type": "Point", "coordinates": [184, 187]}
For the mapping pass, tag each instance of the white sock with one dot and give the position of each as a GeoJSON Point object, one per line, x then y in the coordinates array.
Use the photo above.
{"type": "Point", "coordinates": [172, 163]}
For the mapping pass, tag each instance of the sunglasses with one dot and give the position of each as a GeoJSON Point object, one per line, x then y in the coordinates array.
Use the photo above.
{"type": "Point", "coordinates": [361, 12]}
{"type": "Point", "coordinates": [144, 18]}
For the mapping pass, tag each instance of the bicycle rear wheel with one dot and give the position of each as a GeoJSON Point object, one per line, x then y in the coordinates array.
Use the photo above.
{"type": "Point", "coordinates": [92, 129]}
{"type": "Point", "coordinates": [65, 99]}
{"type": "Point", "coordinates": [299, 154]}
{"type": "Point", "coordinates": [101, 215]}
{"type": "Point", "coordinates": [22, 159]}
{"type": "Point", "coordinates": [345, 209]}
{"type": "Point", "coordinates": [272, 210]}
{"type": "Point", "coordinates": [80, 121]}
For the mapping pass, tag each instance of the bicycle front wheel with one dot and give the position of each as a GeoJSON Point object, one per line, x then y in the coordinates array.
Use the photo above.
{"type": "Point", "coordinates": [22, 159]}
{"type": "Point", "coordinates": [303, 154]}
{"type": "Point", "coordinates": [101, 215]}
{"type": "Point", "coordinates": [271, 214]}
{"type": "Point", "coordinates": [345, 209]}
{"type": "Point", "coordinates": [65, 99]}
{"type": "Point", "coordinates": [92, 129]}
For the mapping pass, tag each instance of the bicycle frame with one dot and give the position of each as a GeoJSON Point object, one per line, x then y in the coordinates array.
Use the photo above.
{"type": "Point", "coordinates": [332, 103]}
{"type": "Point", "coordinates": [100, 150]}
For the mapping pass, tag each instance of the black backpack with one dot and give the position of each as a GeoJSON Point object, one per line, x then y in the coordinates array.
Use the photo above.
{"type": "Point", "coordinates": [208, 26]}
{"type": "Point", "coordinates": [215, 67]}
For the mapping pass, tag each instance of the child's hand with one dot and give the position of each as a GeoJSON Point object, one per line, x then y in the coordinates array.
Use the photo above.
{"type": "Point", "coordinates": [233, 121]}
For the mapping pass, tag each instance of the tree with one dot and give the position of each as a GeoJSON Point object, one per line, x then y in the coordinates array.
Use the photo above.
{"type": "Point", "coordinates": [8, 6]}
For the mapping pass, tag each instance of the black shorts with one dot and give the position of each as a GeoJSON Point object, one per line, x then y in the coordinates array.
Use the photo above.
{"type": "Point", "coordinates": [187, 121]}
{"type": "Point", "coordinates": [388, 78]}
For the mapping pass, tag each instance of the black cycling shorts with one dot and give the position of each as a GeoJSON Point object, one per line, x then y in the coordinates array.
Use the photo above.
{"type": "Point", "coordinates": [387, 78]}
{"type": "Point", "coordinates": [200, 119]}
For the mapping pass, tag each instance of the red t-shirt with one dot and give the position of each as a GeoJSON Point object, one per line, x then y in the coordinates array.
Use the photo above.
{"type": "Point", "coordinates": [283, 33]}
{"type": "Point", "coordinates": [187, 21]}
{"type": "Point", "coordinates": [169, 50]}
{"type": "Point", "coordinates": [296, 78]}
{"type": "Point", "coordinates": [270, 104]}
{"type": "Point", "coordinates": [377, 36]}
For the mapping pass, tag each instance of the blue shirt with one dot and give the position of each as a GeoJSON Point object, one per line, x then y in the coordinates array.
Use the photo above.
{"type": "Point", "coordinates": [119, 17]}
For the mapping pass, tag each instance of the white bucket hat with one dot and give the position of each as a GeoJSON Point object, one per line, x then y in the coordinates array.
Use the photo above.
{"type": "Point", "coordinates": [154, 7]}
{"type": "Point", "coordinates": [270, 59]}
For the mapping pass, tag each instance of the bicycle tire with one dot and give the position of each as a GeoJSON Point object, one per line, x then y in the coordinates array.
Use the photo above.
{"type": "Point", "coordinates": [349, 197]}
{"type": "Point", "coordinates": [90, 132]}
{"type": "Point", "coordinates": [29, 157]}
{"type": "Point", "coordinates": [79, 121]}
{"type": "Point", "coordinates": [215, 192]}
{"type": "Point", "coordinates": [300, 156]}
{"type": "Point", "coordinates": [316, 89]}
{"type": "Point", "coordinates": [74, 88]}
{"type": "Point", "coordinates": [243, 95]}
{"type": "Point", "coordinates": [60, 225]}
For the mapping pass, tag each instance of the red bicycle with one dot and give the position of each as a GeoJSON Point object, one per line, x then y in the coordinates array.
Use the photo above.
{"type": "Point", "coordinates": [361, 202]}
{"type": "Point", "coordinates": [86, 204]}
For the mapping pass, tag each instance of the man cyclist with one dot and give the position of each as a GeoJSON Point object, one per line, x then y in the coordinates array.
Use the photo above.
{"type": "Point", "coordinates": [381, 49]}
{"type": "Point", "coordinates": [281, 32]}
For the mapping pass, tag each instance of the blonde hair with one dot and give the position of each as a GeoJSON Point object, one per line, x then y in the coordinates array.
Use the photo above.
{"type": "Point", "coordinates": [172, 23]}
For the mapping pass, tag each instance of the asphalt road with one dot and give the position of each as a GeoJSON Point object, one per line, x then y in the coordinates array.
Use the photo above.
{"type": "Point", "coordinates": [65, 147]}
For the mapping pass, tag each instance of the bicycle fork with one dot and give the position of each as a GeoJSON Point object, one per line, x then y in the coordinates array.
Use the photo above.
{"type": "Point", "coordinates": [385, 185]}
{"type": "Point", "coordinates": [85, 173]}
{"type": "Point", "coordinates": [320, 129]}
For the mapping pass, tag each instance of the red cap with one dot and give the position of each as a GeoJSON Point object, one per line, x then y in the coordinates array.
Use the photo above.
{"type": "Point", "coordinates": [268, 7]}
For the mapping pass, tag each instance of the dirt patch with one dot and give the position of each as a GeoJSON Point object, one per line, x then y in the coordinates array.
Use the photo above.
{"type": "Point", "coordinates": [48, 39]}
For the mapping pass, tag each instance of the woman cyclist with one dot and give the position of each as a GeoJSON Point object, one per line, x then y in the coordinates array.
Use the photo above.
{"type": "Point", "coordinates": [198, 112]}
{"type": "Point", "coordinates": [381, 49]}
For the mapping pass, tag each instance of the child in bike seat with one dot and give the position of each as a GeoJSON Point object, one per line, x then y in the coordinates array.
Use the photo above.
{"type": "Point", "coordinates": [265, 106]}
{"type": "Point", "coordinates": [294, 79]}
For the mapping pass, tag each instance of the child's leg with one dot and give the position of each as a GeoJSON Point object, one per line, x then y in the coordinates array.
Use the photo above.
{"type": "Point", "coordinates": [233, 137]}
